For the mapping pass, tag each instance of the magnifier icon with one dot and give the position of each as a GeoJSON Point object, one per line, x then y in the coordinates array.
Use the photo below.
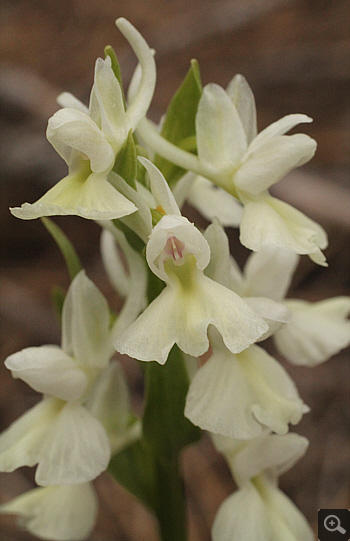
{"type": "Point", "coordinates": [332, 524]}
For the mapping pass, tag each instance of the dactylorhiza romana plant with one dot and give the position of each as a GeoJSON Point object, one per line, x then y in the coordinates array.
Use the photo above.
{"type": "Point", "coordinates": [184, 296]}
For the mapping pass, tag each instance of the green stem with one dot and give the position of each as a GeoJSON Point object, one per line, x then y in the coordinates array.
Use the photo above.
{"type": "Point", "coordinates": [172, 512]}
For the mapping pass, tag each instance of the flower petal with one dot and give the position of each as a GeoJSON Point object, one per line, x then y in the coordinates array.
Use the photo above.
{"type": "Point", "coordinates": [276, 399]}
{"type": "Point", "coordinates": [20, 444]}
{"type": "Point", "coordinates": [76, 448]}
{"type": "Point", "coordinates": [242, 517]}
{"type": "Point", "coordinates": [60, 513]}
{"type": "Point", "coordinates": [221, 139]}
{"type": "Point", "coordinates": [85, 323]}
{"type": "Point", "coordinates": [286, 520]}
{"type": "Point", "coordinates": [272, 161]}
{"type": "Point", "coordinates": [48, 370]}
{"type": "Point", "coordinates": [183, 316]}
{"type": "Point", "coordinates": [153, 334]}
{"type": "Point", "coordinates": [184, 231]}
{"type": "Point", "coordinates": [280, 127]}
{"type": "Point", "coordinates": [269, 453]}
{"type": "Point", "coordinates": [91, 197]}
{"type": "Point", "coordinates": [219, 399]}
{"type": "Point", "coordinates": [214, 202]}
{"type": "Point", "coordinates": [274, 313]}
{"type": "Point", "coordinates": [270, 222]}
{"type": "Point", "coordinates": [160, 188]}
{"type": "Point", "coordinates": [106, 104]}
{"type": "Point", "coordinates": [268, 273]}
{"type": "Point", "coordinates": [66, 99]}
{"type": "Point", "coordinates": [316, 332]}
{"type": "Point", "coordinates": [109, 402]}
{"type": "Point", "coordinates": [243, 99]}
{"type": "Point", "coordinates": [222, 267]}
{"type": "Point", "coordinates": [72, 129]}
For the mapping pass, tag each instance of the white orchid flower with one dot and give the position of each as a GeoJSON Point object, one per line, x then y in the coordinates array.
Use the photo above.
{"type": "Point", "coordinates": [178, 254]}
{"type": "Point", "coordinates": [243, 394]}
{"type": "Point", "coordinates": [57, 513]}
{"type": "Point", "coordinates": [59, 434]}
{"type": "Point", "coordinates": [89, 140]}
{"type": "Point", "coordinates": [247, 165]}
{"type": "Point", "coordinates": [258, 510]}
{"type": "Point", "coordinates": [223, 269]}
{"type": "Point", "coordinates": [317, 330]}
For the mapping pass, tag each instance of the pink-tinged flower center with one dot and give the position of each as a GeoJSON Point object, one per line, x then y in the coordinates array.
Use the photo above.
{"type": "Point", "coordinates": [174, 247]}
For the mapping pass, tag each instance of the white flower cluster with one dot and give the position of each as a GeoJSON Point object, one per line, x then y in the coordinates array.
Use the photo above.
{"type": "Point", "coordinates": [238, 392]}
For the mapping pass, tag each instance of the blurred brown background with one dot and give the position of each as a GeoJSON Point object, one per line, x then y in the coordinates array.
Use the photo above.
{"type": "Point", "coordinates": [295, 55]}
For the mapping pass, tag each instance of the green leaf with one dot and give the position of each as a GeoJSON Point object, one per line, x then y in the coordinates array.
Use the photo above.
{"type": "Point", "coordinates": [67, 250]}
{"type": "Point", "coordinates": [125, 163]}
{"type": "Point", "coordinates": [179, 126]}
{"type": "Point", "coordinates": [134, 469]}
{"type": "Point", "coordinates": [109, 51]}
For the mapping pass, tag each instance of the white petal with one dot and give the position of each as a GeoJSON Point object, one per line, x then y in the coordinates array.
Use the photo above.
{"type": "Point", "coordinates": [76, 449]}
{"type": "Point", "coordinates": [317, 331]}
{"type": "Point", "coordinates": [183, 316]}
{"type": "Point", "coordinates": [160, 188]}
{"type": "Point", "coordinates": [269, 222]}
{"type": "Point", "coordinates": [109, 402]}
{"type": "Point", "coordinates": [140, 222]}
{"type": "Point", "coordinates": [184, 231]}
{"type": "Point", "coordinates": [20, 444]}
{"type": "Point", "coordinates": [85, 323]}
{"type": "Point", "coordinates": [48, 370]}
{"type": "Point", "coordinates": [272, 161]}
{"type": "Point", "coordinates": [221, 138]}
{"type": "Point", "coordinates": [141, 101]}
{"type": "Point", "coordinates": [136, 297]}
{"type": "Point", "coordinates": [276, 399]}
{"type": "Point", "coordinates": [280, 127]}
{"type": "Point", "coordinates": [275, 314]}
{"type": "Point", "coordinates": [219, 399]}
{"type": "Point", "coordinates": [106, 104]}
{"type": "Point", "coordinates": [60, 513]}
{"type": "Point", "coordinates": [287, 522]}
{"type": "Point", "coordinates": [113, 263]}
{"type": "Point", "coordinates": [73, 129]}
{"type": "Point", "coordinates": [153, 334]}
{"type": "Point", "coordinates": [66, 99]}
{"type": "Point", "coordinates": [214, 202]}
{"type": "Point", "coordinates": [222, 267]}
{"type": "Point", "coordinates": [269, 273]}
{"type": "Point", "coordinates": [93, 198]}
{"type": "Point", "coordinates": [243, 99]}
{"type": "Point", "coordinates": [242, 517]}
{"type": "Point", "coordinates": [269, 453]}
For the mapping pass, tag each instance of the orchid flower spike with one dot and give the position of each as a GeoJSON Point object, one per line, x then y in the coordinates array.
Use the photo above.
{"type": "Point", "coordinates": [247, 165]}
{"type": "Point", "coordinates": [59, 434]}
{"type": "Point", "coordinates": [89, 140]}
{"type": "Point", "coordinates": [258, 510]}
{"type": "Point", "coordinates": [178, 254]}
